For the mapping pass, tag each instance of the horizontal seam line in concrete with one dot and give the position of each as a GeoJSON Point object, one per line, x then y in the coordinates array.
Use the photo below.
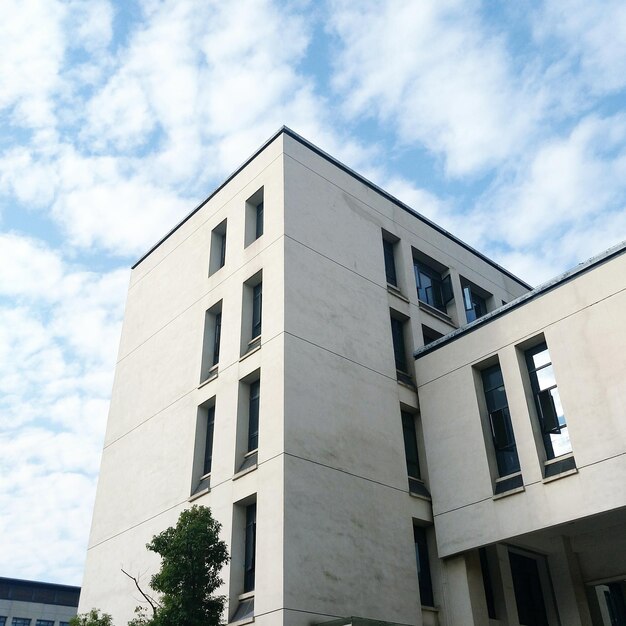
{"type": "Point", "coordinates": [151, 517]}
{"type": "Point", "coordinates": [341, 356]}
{"type": "Point", "coordinates": [189, 216]}
{"type": "Point", "coordinates": [473, 252]}
{"type": "Point", "coordinates": [535, 482]}
{"type": "Point", "coordinates": [184, 395]}
{"type": "Point", "coordinates": [195, 302]}
{"type": "Point", "coordinates": [519, 340]}
{"type": "Point", "coordinates": [338, 469]}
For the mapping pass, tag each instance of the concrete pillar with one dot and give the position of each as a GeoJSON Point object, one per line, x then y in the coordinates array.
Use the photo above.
{"type": "Point", "coordinates": [465, 603]}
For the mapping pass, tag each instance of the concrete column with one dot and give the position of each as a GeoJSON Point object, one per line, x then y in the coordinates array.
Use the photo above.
{"type": "Point", "coordinates": [465, 595]}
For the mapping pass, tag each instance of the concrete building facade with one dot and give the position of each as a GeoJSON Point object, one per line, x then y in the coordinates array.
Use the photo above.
{"type": "Point", "coordinates": [33, 603]}
{"type": "Point", "coordinates": [265, 370]}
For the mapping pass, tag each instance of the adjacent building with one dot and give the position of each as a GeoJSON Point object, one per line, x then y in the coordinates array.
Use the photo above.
{"type": "Point", "coordinates": [265, 370]}
{"type": "Point", "coordinates": [31, 603]}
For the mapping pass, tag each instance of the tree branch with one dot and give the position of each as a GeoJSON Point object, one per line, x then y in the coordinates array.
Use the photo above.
{"type": "Point", "coordinates": [151, 601]}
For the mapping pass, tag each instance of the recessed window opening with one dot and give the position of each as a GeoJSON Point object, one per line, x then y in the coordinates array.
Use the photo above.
{"type": "Point", "coordinates": [389, 256]}
{"type": "Point", "coordinates": [253, 415]}
{"type": "Point", "coordinates": [399, 348]}
{"type": "Point", "coordinates": [475, 303]}
{"type": "Point", "coordinates": [255, 210]}
{"type": "Point", "coordinates": [430, 335]}
{"type": "Point", "coordinates": [552, 422]}
{"type": "Point", "coordinates": [250, 549]}
{"type": "Point", "coordinates": [257, 303]}
{"type": "Point", "coordinates": [410, 447]}
{"type": "Point", "coordinates": [423, 566]}
{"type": "Point", "coordinates": [217, 258]}
{"type": "Point", "coordinates": [203, 451]}
{"type": "Point", "coordinates": [433, 287]}
{"type": "Point", "coordinates": [211, 342]}
{"type": "Point", "coordinates": [500, 421]}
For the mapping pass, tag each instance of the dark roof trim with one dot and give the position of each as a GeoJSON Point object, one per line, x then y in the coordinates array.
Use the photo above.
{"type": "Point", "coordinates": [287, 131]}
{"type": "Point", "coordinates": [552, 284]}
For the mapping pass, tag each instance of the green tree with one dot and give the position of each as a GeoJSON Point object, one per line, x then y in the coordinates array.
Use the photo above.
{"type": "Point", "coordinates": [93, 618]}
{"type": "Point", "coordinates": [192, 556]}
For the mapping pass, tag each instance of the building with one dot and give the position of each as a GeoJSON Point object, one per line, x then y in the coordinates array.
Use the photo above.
{"type": "Point", "coordinates": [30, 603]}
{"type": "Point", "coordinates": [265, 371]}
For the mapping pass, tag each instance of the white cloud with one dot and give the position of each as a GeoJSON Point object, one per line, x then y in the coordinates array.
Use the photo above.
{"type": "Point", "coordinates": [432, 72]}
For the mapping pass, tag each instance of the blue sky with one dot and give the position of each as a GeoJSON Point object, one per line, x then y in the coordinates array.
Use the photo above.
{"type": "Point", "coordinates": [503, 121]}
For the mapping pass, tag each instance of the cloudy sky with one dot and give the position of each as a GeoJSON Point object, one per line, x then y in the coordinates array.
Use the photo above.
{"type": "Point", "coordinates": [503, 121]}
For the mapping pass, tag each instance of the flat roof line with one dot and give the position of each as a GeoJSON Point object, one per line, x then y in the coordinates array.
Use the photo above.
{"type": "Point", "coordinates": [539, 291]}
{"type": "Point", "coordinates": [306, 143]}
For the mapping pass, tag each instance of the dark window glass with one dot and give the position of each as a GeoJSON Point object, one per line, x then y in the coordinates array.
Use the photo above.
{"type": "Point", "coordinates": [257, 296]}
{"type": "Point", "coordinates": [430, 335]}
{"type": "Point", "coordinates": [20, 621]}
{"type": "Point", "coordinates": [3, 620]}
{"type": "Point", "coordinates": [60, 624]}
{"type": "Point", "coordinates": [250, 548]}
{"type": "Point", "coordinates": [222, 249]}
{"type": "Point", "coordinates": [253, 416]}
{"type": "Point", "coordinates": [500, 421]}
{"type": "Point", "coordinates": [475, 305]}
{"type": "Point", "coordinates": [216, 338]}
{"type": "Point", "coordinates": [390, 263]}
{"type": "Point", "coordinates": [399, 351]}
{"type": "Point", "coordinates": [431, 288]}
{"type": "Point", "coordinates": [44, 622]}
{"type": "Point", "coordinates": [259, 220]}
{"type": "Point", "coordinates": [208, 443]}
{"type": "Point", "coordinates": [410, 445]}
{"type": "Point", "coordinates": [423, 567]}
{"type": "Point", "coordinates": [552, 422]}
{"type": "Point", "coordinates": [487, 583]}
{"type": "Point", "coordinates": [531, 606]}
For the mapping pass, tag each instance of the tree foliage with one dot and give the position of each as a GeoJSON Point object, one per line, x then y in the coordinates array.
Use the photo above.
{"type": "Point", "coordinates": [93, 618]}
{"type": "Point", "coordinates": [192, 556]}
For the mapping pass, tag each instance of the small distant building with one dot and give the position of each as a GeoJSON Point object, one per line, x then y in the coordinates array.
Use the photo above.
{"type": "Point", "coordinates": [32, 603]}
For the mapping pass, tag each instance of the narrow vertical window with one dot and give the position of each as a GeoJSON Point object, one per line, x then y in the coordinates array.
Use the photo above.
{"type": "Point", "coordinates": [216, 338]}
{"type": "Point", "coordinates": [217, 257]}
{"type": "Point", "coordinates": [487, 583]}
{"type": "Point", "coordinates": [500, 421]}
{"type": "Point", "coordinates": [410, 449]}
{"type": "Point", "coordinates": [208, 441]}
{"type": "Point", "coordinates": [548, 402]}
{"type": "Point", "coordinates": [253, 415]}
{"type": "Point", "coordinates": [423, 567]}
{"type": "Point", "coordinates": [475, 305]}
{"type": "Point", "coordinates": [211, 342]}
{"type": "Point", "coordinates": [399, 350]}
{"type": "Point", "coordinates": [254, 217]}
{"type": "Point", "coordinates": [390, 262]}
{"type": "Point", "coordinates": [250, 549]}
{"type": "Point", "coordinates": [259, 220]}
{"type": "Point", "coordinates": [257, 297]}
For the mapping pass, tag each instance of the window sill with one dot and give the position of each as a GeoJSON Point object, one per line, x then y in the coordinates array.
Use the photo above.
{"type": "Point", "coordinates": [432, 609]}
{"type": "Point", "coordinates": [550, 479]}
{"type": "Point", "coordinates": [395, 291]}
{"type": "Point", "coordinates": [419, 496]}
{"type": "Point", "coordinates": [436, 312]}
{"type": "Point", "coordinates": [246, 596]}
{"type": "Point", "coordinates": [251, 350]}
{"type": "Point", "coordinates": [199, 494]}
{"type": "Point", "coordinates": [247, 470]}
{"type": "Point", "coordinates": [213, 374]}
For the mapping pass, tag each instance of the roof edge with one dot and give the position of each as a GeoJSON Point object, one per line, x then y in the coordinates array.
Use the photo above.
{"type": "Point", "coordinates": [305, 142]}
{"type": "Point", "coordinates": [554, 283]}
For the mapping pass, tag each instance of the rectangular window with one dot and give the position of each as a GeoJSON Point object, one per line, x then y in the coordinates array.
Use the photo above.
{"type": "Point", "coordinates": [60, 624]}
{"type": "Point", "coordinates": [218, 248]}
{"type": "Point", "coordinates": [257, 301]}
{"type": "Point", "coordinates": [431, 287]}
{"type": "Point", "coordinates": [44, 622]}
{"type": "Point", "coordinates": [250, 549]}
{"type": "Point", "coordinates": [208, 441]}
{"type": "Point", "coordinates": [528, 588]}
{"type": "Point", "coordinates": [211, 341]}
{"type": "Point", "coordinates": [259, 220]}
{"type": "Point", "coordinates": [254, 217]}
{"type": "Point", "coordinates": [410, 447]}
{"type": "Point", "coordinates": [252, 313]}
{"type": "Point", "coordinates": [475, 305]}
{"type": "Point", "coordinates": [500, 421]}
{"type": "Point", "coordinates": [399, 350]}
{"type": "Point", "coordinates": [3, 620]}
{"type": "Point", "coordinates": [487, 583]}
{"type": "Point", "coordinates": [20, 621]}
{"type": "Point", "coordinates": [390, 262]}
{"type": "Point", "coordinates": [548, 402]}
{"type": "Point", "coordinates": [423, 567]}
{"type": "Point", "coordinates": [253, 415]}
